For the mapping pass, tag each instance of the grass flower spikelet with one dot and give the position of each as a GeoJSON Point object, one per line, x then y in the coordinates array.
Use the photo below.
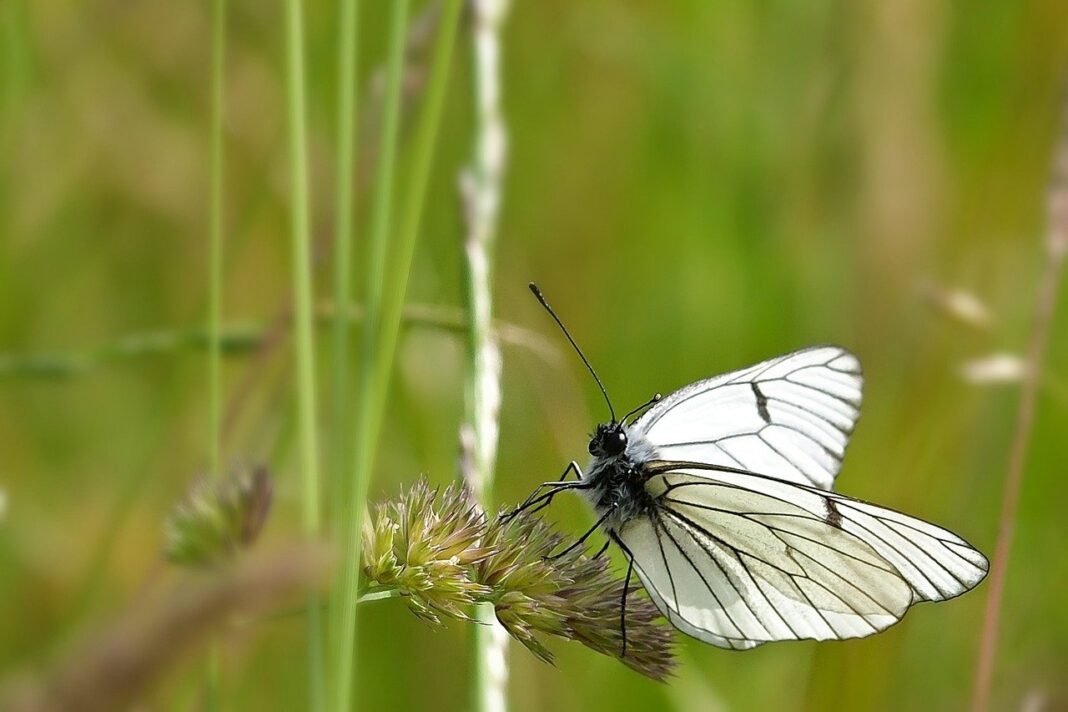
{"type": "Point", "coordinates": [439, 551]}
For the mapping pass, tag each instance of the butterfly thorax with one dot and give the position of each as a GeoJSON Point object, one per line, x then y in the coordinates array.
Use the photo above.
{"type": "Point", "coordinates": [617, 475]}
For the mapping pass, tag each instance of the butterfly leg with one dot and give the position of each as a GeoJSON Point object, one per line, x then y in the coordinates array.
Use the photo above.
{"type": "Point", "coordinates": [604, 548]}
{"type": "Point", "coordinates": [626, 589]}
{"type": "Point", "coordinates": [623, 608]}
{"type": "Point", "coordinates": [544, 499]}
{"type": "Point", "coordinates": [582, 539]}
{"type": "Point", "coordinates": [571, 467]}
{"type": "Point", "coordinates": [540, 507]}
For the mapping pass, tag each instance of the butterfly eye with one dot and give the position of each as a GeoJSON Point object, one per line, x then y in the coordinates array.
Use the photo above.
{"type": "Point", "coordinates": [614, 442]}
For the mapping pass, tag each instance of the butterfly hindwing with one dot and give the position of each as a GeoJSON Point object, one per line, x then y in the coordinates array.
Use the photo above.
{"type": "Point", "coordinates": [737, 559]}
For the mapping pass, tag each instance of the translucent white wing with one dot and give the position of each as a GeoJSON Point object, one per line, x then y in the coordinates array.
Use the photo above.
{"type": "Point", "coordinates": [736, 559]}
{"type": "Point", "coordinates": [789, 417]}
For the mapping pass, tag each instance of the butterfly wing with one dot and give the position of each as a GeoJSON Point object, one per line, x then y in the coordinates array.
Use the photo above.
{"type": "Point", "coordinates": [790, 417]}
{"type": "Point", "coordinates": [737, 559]}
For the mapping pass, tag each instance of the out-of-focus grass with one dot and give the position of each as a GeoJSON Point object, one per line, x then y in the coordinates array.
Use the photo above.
{"type": "Point", "coordinates": [695, 186]}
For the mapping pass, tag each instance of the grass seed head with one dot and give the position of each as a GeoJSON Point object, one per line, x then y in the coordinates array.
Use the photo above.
{"type": "Point", "coordinates": [219, 518]}
{"type": "Point", "coordinates": [441, 554]}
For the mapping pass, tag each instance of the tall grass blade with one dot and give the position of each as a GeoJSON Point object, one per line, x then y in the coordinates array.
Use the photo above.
{"type": "Point", "coordinates": [303, 322]}
{"type": "Point", "coordinates": [383, 332]}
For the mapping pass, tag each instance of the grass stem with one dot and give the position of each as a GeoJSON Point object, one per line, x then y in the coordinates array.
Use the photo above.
{"type": "Point", "coordinates": [379, 595]}
{"type": "Point", "coordinates": [344, 196]}
{"type": "Point", "coordinates": [241, 338]}
{"type": "Point", "coordinates": [1045, 303]}
{"type": "Point", "coordinates": [340, 431]}
{"type": "Point", "coordinates": [344, 616]}
{"type": "Point", "coordinates": [215, 258]}
{"type": "Point", "coordinates": [480, 188]}
{"type": "Point", "coordinates": [303, 323]}
{"type": "Point", "coordinates": [215, 272]}
{"type": "Point", "coordinates": [384, 317]}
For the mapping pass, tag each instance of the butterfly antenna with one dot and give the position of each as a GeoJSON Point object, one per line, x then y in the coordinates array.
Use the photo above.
{"type": "Point", "coordinates": [652, 401]}
{"type": "Point", "coordinates": [541, 298]}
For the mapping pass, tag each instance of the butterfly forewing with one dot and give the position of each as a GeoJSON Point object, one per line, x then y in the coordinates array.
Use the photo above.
{"type": "Point", "coordinates": [790, 416]}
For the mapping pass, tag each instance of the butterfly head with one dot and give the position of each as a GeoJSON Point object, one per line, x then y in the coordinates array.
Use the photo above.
{"type": "Point", "coordinates": [610, 440]}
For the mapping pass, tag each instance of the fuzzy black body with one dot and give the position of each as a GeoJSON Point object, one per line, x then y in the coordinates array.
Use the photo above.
{"type": "Point", "coordinates": [617, 475]}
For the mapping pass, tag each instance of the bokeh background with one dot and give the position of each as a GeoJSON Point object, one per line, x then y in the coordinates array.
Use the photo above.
{"type": "Point", "coordinates": [695, 185]}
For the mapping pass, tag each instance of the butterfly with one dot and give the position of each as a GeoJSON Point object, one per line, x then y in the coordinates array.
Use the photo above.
{"type": "Point", "coordinates": [720, 497]}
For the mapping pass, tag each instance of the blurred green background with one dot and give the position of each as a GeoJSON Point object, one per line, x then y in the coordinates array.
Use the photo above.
{"type": "Point", "coordinates": [695, 185]}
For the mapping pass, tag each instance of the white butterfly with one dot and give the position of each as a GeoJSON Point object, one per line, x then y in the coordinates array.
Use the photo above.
{"type": "Point", "coordinates": [720, 497]}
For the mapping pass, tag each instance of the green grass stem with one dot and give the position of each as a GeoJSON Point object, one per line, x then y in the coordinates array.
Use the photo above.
{"type": "Point", "coordinates": [303, 321]}
{"type": "Point", "coordinates": [343, 620]}
{"type": "Point", "coordinates": [215, 275]}
{"type": "Point", "coordinates": [239, 338]}
{"type": "Point", "coordinates": [343, 224]}
{"type": "Point", "coordinates": [381, 334]}
{"type": "Point", "coordinates": [347, 117]}
{"type": "Point", "coordinates": [215, 258]}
